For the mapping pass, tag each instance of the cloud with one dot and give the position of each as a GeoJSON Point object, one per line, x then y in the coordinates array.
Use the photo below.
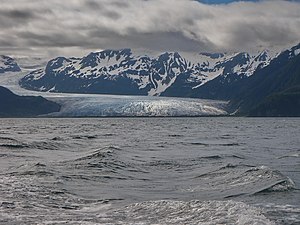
{"type": "Point", "coordinates": [56, 27]}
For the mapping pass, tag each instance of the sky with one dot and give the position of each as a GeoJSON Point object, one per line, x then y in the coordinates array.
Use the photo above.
{"type": "Point", "coordinates": [50, 28]}
{"type": "Point", "coordinates": [223, 1]}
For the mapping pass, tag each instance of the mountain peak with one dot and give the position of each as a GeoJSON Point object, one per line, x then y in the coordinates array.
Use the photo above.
{"type": "Point", "coordinates": [8, 64]}
{"type": "Point", "coordinates": [122, 72]}
{"type": "Point", "coordinates": [296, 50]}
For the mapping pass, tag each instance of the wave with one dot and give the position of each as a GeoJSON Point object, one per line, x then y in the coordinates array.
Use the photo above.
{"type": "Point", "coordinates": [281, 185]}
{"type": "Point", "coordinates": [191, 212]}
{"type": "Point", "coordinates": [44, 145]}
{"type": "Point", "coordinates": [98, 165]}
{"type": "Point", "coordinates": [102, 159]}
{"type": "Point", "coordinates": [236, 180]}
{"type": "Point", "coordinates": [47, 145]}
{"type": "Point", "coordinates": [84, 137]}
{"type": "Point", "coordinates": [14, 146]}
{"type": "Point", "coordinates": [11, 143]}
{"type": "Point", "coordinates": [98, 153]}
{"type": "Point", "coordinates": [219, 157]}
{"type": "Point", "coordinates": [150, 212]}
{"type": "Point", "coordinates": [295, 154]}
{"type": "Point", "coordinates": [32, 169]}
{"type": "Point", "coordinates": [7, 138]}
{"type": "Point", "coordinates": [213, 144]}
{"type": "Point", "coordinates": [211, 157]}
{"type": "Point", "coordinates": [281, 213]}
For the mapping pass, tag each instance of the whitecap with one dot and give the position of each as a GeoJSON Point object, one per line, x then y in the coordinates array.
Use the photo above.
{"type": "Point", "coordinates": [192, 212]}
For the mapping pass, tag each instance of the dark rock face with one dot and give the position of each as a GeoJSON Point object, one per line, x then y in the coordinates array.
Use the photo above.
{"type": "Point", "coordinates": [286, 103]}
{"type": "Point", "coordinates": [12, 105]}
{"type": "Point", "coordinates": [273, 90]}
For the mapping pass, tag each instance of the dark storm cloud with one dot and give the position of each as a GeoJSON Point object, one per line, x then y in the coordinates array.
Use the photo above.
{"type": "Point", "coordinates": [158, 42]}
{"type": "Point", "coordinates": [263, 33]}
{"type": "Point", "coordinates": [13, 18]}
{"type": "Point", "coordinates": [57, 40]}
{"type": "Point", "coordinates": [180, 25]}
{"type": "Point", "coordinates": [112, 15]}
{"type": "Point", "coordinates": [5, 43]}
{"type": "Point", "coordinates": [18, 14]}
{"type": "Point", "coordinates": [119, 4]}
{"type": "Point", "coordinates": [93, 4]}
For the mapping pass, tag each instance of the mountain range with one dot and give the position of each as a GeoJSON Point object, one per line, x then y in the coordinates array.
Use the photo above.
{"type": "Point", "coordinates": [264, 83]}
{"type": "Point", "coordinates": [123, 72]}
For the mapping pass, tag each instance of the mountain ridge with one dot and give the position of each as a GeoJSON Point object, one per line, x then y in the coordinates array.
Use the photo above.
{"type": "Point", "coordinates": [254, 84]}
{"type": "Point", "coordinates": [270, 86]}
{"type": "Point", "coordinates": [8, 64]}
{"type": "Point", "coordinates": [12, 105]}
{"type": "Point", "coordinates": [122, 72]}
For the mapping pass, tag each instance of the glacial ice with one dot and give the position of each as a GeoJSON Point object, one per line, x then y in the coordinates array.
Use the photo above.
{"type": "Point", "coordinates": [110, 105]}
{"type": "Point", "coordinates": [93, 105]}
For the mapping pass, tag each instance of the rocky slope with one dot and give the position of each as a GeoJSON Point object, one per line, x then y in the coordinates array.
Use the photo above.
{"type": "Point", "coordinates": [123, 72]}
{"type": "Point", "coordinates": [8, 64]}
{"type": "Point", "coordinates": [273, 90]}
{"type": "Point", "coordinates": [12, 105]}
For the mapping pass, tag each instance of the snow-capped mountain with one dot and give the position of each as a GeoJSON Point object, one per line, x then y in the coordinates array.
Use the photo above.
{"type": "Point", "coordinates": [271, 91]}
{"type": "Point", "coordinates": [123, 72]}
{"type": "Point", "coordinates": [8, 64]}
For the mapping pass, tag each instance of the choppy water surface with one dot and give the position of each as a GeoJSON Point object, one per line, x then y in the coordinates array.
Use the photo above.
{"type": "Point", "coordinates": [150, 171]}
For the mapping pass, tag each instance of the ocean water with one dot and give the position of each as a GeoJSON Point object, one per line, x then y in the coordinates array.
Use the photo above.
{"type": "Point", "coordinates": [150, 171]}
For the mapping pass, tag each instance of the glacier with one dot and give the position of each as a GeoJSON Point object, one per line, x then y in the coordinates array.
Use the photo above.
{"type": "Point", "coordinates": [98, 105]}
{"type": "Point", "coordinates": [80, 105]}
